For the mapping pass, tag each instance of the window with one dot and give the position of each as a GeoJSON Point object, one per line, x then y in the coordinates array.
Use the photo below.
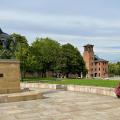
{"type": "Point", "coordinates": [1, 75]}
{"type": "Point", "coordinates": [99, 74]}
{"type": "Point", "coordinates": [99, 69]}
{"type": "Point", "coordinates": [95, 74]}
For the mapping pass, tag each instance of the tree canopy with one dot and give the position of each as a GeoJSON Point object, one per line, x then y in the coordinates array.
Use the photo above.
{"type": "Point", "coordinates": [71, 60]}
{"type": "Point", "coordinates": [45, 55]}
{"type": "Point", "coordinates": [114, 69]}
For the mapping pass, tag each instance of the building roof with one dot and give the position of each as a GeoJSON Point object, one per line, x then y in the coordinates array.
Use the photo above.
{"type": "Point", "coordinates": [97, 59]}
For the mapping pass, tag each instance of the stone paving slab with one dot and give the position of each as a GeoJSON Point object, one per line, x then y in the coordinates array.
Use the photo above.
{"type": "Point", "coordinates": [63, 105]}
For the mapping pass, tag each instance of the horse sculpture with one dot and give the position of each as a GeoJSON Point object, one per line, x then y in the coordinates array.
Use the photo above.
{"type": "Point", "coordinates": [7, 43]}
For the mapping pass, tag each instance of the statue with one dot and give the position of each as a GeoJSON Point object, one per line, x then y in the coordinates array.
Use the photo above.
{"type": "Point", "coordinates": [7, 45]}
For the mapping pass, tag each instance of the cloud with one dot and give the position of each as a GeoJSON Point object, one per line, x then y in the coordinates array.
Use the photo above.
{"type": "Point", "coordinates": [61, 24]}
{"type": "Point", "coordinates": [79, 23]}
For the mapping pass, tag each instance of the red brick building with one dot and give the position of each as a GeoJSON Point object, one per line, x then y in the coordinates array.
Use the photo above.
{"type": "Point", "coordinates": [96, 66]}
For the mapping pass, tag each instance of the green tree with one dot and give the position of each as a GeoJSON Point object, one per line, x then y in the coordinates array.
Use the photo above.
{"type": "Point", "coordinates": [22, 52]}
{"type": "Point", "coordinates": [114, 69]}
{"type": "Point", "coordinates": [71, 60]}
{"type": "Point", "coordinates": [45, 52]}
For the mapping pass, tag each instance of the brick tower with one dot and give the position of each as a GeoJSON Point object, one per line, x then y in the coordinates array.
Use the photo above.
{"type": "Point", "coordinates": [88, 56]}
{"type": "Point", "coordinates": [97, 67]}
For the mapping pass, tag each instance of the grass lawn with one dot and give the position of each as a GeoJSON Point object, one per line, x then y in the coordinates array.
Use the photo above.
{"type": "Point", "coordinates": [86, 82]}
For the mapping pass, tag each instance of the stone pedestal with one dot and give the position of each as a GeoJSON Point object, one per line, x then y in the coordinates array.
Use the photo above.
{"type": "Point", "coordinates": [9, 76]}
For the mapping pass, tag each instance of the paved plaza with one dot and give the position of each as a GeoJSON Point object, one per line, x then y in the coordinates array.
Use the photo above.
{"type": "Point", "coordinates": [63, 105]}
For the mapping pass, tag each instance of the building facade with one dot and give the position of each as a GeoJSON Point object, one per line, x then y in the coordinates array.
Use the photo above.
{"type": "Point", "coordinates": [96, 66]}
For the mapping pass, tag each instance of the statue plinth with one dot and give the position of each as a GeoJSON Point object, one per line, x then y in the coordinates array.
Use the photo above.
{"type": "Point", "coordinates": [9, 76]}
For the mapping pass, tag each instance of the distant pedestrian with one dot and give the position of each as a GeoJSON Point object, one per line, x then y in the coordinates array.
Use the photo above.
{"type": "Point", "coordinates": [117, 90]}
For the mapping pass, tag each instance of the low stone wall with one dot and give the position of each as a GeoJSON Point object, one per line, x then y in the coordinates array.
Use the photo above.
{"type": "Point", "coordinates": [77, 88]}
{"type": "Point", "coordinates": [91, 89]}
{"type": "Point", "coordinates": [38, 85]}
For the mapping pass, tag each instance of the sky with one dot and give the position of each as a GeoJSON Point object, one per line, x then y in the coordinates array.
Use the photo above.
{"type": "Point", "coordinates": [78, 22]}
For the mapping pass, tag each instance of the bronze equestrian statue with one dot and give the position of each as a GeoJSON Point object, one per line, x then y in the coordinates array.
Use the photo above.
{"type": "Point", "coordinates": [7, 44]}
